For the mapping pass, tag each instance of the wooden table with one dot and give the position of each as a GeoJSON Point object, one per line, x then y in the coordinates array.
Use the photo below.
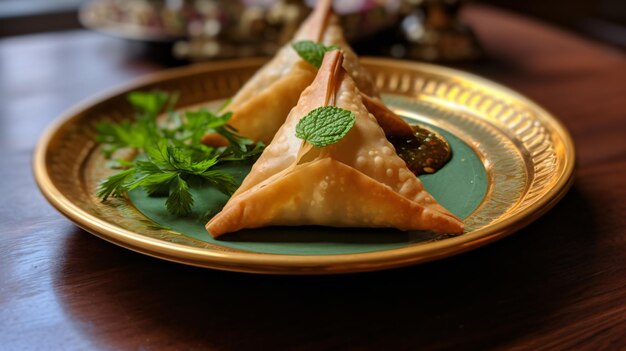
{"type": "Point", "coordinates": [558, 284]}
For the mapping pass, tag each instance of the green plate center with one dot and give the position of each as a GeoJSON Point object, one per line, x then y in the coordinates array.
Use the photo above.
{"type": "Point", "coordinates": [459, 186]}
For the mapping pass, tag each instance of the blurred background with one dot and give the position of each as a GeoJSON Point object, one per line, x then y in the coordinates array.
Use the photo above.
{"type": "Point", "coordinates": [200, 30]}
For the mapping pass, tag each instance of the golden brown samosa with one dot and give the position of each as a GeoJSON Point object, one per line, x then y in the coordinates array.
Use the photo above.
{"type": "Point", "coordinates": [262, 104]}
{"type": "Point", "coordinates": [357, 182]}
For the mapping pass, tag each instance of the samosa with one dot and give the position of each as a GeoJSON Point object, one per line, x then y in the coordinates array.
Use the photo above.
{"type": "Point", "coordinates": [262, 104]}
{"type": "Point", "coordinates": [359, 181]}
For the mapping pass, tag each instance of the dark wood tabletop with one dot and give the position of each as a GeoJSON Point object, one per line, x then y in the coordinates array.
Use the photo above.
{"type": "Point", "coordinates": [560, 283]}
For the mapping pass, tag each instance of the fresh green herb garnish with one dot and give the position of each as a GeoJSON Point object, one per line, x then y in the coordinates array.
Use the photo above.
{"type": "Point", "coordinates": [312, 52]}
{"type": "Point", "coordinates": [325, 125]}
{"type": "Point", "coordinates": [171, 156]}
{"type": "Point", "coordinates": [135, 133]}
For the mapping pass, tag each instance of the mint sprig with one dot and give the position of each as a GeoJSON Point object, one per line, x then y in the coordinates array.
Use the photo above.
{"type": "Point", "coordinates": [312, 52]}
{"type": "Point", "coordinates": [325, 125]}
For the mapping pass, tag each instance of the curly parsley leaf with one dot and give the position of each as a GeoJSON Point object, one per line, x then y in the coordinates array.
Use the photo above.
{"type": "Point", "coordinates": [325, 125]}
{"type": "Point", "coordinates": [311, 51]}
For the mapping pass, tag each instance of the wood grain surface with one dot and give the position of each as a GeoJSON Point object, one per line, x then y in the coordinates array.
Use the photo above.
{"type": "Point", "coordinates": [558, 284]}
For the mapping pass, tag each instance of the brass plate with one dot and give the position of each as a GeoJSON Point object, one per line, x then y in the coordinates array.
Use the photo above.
{"type": "Point", "coordinates": [528, 155]}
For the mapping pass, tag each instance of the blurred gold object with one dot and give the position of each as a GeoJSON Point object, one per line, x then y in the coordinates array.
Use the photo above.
{"type": "Point", "coordinates": [527, 153]}
{"type": "Point", "coordinates": [431, 31]}
{"type": "Point", "coordinates": [257, 29]}
{"type": "Point", "coordinates": [220, 29]}
{"type": "Point", "coordinates": [426, 30]}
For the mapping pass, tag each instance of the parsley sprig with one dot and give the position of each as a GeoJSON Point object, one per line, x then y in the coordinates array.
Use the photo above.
{"type": "Point", "coordinates": [171, 157]}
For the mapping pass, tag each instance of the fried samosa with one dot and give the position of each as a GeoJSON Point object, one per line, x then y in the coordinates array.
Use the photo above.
{"type": "Point", "coordinates": [262, 104]}
{"type": "Point", "coordinates": [357, 182]}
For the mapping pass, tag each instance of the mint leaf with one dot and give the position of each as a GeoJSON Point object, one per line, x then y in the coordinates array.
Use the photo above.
{"type": "Point", "coordinates": [325, 125]}
{"type": "Point", "coordinates": [311, 51]}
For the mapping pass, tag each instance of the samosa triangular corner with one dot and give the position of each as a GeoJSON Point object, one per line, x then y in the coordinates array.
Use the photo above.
{"type": "Point", "coordinates": [328, 192]}
{"type": "Point", "coordinates": [359, 181]}
{"type": "Point", "coordinates": [263, 103]}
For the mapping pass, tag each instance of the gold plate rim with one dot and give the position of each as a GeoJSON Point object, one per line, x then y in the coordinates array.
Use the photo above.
{"type": "Point", "coordinates": [299, 264]}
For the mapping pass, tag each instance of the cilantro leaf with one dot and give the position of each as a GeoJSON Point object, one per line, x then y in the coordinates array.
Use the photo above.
{"type": "Point", "coordinates": [169, 171]}
{"type": "Point", "coordinates": [222, 181]}
{"type": "Point", "coordinates": [179, 158]}
{"type": "Point", "coordinates": [198, 123]}
{"type": "Point", "coordinates": [134, 134]}
{"type": "Point", "coordinates": [171, 157]}
{"type": "Point", "coordinates": [325, 125]}
{"type": "Point", "coordinates": [157, 152]}
{"type": "Point", "coordinates": [149, 103]}
{"type": "Point", "coordinates": [115, 185]}
{"type": "Point", "coordinates": [312, 52]}
{"type": "Point", "coordinates": [235, 153]}
{"type": "Point", "coordinates": [180, 200]}
{"type": "Point", "coordinates": [238, 144]}
{"type": "Point", "coordinates": [117, 136]}
{"type": "Point", "coordinates": [119, 163]}
{"type": "Point", "coordinates": [152, 181]}
{"type": "Point", "coordinates": [151, 177]}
